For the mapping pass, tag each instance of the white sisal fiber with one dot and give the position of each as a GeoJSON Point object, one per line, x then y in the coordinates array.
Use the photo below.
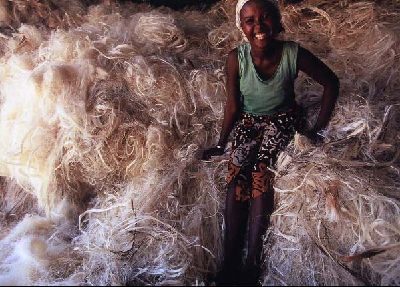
{"type": "Point", "coordinates": [104, 110]}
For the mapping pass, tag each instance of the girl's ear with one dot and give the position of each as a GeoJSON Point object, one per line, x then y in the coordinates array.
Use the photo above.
{"type": "Point", "coordinates": [278, 21]}
{"type": "Point", "coordinates": [279, 27]}
{"type": "Point", "coordinates": [276, 17]}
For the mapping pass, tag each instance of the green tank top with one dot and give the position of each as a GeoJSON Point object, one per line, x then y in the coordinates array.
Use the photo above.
{"type": "Point", "coordinates": [267, 97]}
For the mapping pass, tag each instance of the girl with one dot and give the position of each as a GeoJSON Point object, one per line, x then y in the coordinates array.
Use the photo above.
{"type": "Point", "coordinates": [261, 102]}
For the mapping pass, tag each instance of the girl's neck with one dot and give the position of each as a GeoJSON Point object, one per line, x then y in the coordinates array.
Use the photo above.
{"type": "Point", "coordinates": [266, 52]}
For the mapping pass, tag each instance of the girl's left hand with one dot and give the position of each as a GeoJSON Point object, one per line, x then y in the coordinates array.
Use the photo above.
{"type": "Point", "coordinates": [314, 136]}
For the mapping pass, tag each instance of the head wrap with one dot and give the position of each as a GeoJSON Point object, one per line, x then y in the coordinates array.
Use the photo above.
{"type": "Point", "coordinates": [239, 7]}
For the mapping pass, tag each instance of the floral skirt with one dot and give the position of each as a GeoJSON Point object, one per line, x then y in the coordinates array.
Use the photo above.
{"type": "Point", "coordinates": [258, 140]}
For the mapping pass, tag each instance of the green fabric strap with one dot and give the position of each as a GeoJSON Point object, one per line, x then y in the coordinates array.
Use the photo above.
{"type": "Point", "coordinates": [267, 97]}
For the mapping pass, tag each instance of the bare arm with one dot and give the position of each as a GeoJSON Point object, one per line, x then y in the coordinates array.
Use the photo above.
{"type": "Point", "coordinates": [321, 73]}
{"type": "Point", "coordinates": [232, 105]}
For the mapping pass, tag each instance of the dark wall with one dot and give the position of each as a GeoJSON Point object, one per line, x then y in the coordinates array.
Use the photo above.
{"type": "Point", "coordinates": [177, 4]}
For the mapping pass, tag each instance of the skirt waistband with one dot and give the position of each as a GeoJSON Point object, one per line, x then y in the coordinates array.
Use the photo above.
{"type": "Point", "coordinates": [290, 111]}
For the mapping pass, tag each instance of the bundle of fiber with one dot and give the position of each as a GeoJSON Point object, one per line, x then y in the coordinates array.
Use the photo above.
{"type": "Point", "coordinates": [102, 121]}
{"type": "Point", "coordinates": [46, 13]}
{"type": "Point", "coordinates": [89, 134]}
{"type": "Point", "coordinates": [38, 250]}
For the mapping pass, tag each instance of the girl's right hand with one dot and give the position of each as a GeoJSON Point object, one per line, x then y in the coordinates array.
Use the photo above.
{"type": "Point", "coordinates": [214, 151]}
{"type": "Point", "coordinates": [314, 136]}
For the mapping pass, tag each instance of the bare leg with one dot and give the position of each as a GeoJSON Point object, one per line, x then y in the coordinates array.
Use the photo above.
{"type": "Point", "coordinates": [236, 214]}
{"type": "Point", "coordinates": [260, 209]}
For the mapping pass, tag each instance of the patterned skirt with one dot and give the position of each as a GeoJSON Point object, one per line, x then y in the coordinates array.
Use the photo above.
{"type": "Point", "coordinates": [258, 140]}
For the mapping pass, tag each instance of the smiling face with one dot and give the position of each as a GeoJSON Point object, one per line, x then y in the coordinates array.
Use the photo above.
{"type": "Point", "coordinates": [258, 20]}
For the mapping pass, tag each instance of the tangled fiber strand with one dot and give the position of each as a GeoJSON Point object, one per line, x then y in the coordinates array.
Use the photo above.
{"type": "Point", "coordinates": [96, 133]}
{"type": "Point", "coordinates": [105, 108]}
{"type": "Point", "coordinates": [46, 13]}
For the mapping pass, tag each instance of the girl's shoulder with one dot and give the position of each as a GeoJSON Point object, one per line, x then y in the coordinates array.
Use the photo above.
{"type": "Point", "coordinates": [233, 53]}
{"type": "Point", "coordinates": [242, 47]}
{"type": "Point", "coordinates": [243, 50]}
{"type": "Point", "coordinates": [232, 62]}
{"type": "Point", "coordinates": [290, 44]}
{"type": "Point", "coordinates": [290, 50]}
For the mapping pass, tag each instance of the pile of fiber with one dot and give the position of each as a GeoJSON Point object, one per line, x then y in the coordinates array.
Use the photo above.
{"type": "Point", "coordinates": [104, 110]}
